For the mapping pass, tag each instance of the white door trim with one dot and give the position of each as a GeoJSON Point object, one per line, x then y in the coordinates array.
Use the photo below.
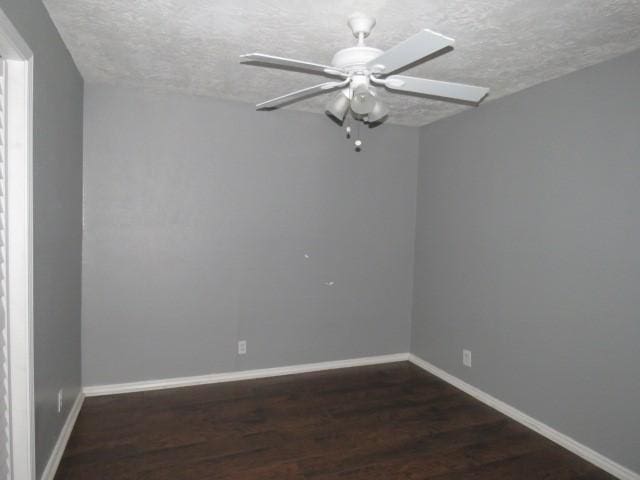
{"type": "Point", "coordinates": [19, 103]}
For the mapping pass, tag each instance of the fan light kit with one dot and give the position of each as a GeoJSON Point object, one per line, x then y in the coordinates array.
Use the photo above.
{"type": "Point", "coordinates": [362, 71]}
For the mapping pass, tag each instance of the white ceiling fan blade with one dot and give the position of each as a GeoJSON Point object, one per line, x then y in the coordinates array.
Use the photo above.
{"type": "Point", "coordinates": [456, 92]}
{"type": "Point", "coordinates": [291, 63]}
{"type": "Point", "coordinates": [300, 94]}
{"type": "Point", "coordinates": [417, 47]}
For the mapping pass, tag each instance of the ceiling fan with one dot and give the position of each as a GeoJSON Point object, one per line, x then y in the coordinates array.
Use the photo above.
{"type": "Point", "coordinates": [361, 70]}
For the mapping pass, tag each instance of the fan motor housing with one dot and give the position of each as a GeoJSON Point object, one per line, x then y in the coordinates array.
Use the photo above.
{"type": "Point", "coordinates": [355, 58]}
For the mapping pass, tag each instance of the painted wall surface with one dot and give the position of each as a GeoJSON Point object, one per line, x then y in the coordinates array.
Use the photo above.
{"type": "Point", "coordinates": [528, 253]}
{"type": "Point", "coordinates": [57, 236]}
{"type": "Point", "coordinates": [199, 218]}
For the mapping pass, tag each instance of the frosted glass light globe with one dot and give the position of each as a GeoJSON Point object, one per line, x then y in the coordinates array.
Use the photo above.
{"type": "Point", "coordinates": [362, 101]}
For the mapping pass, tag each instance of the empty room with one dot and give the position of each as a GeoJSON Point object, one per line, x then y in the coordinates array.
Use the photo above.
{"type": "Point", "coordinates": [319, 240]}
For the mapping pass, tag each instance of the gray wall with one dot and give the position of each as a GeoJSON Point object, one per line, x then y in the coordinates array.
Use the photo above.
{"type": "Point", "coordinates": [528, 253]}
{"type": "Point", "coordinates": [57, 176]}
{"type": "Point", "coordinates": [198, 214]}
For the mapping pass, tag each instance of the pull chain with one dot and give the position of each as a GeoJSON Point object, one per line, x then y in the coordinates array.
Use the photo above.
{"type": "Point", "coordinates": [358, 142]}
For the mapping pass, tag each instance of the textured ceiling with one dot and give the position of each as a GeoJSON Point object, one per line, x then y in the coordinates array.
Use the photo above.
{"type": "Point", "coordinates": [192, 46]}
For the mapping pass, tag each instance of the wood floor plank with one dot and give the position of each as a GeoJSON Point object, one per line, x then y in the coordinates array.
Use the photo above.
{"type": "Point", "coordinates": [383, 422]}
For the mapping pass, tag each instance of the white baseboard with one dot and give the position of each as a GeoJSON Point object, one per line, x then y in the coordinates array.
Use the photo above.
{"type": "Point", "coordinates": [58, 449]}
{"type": "Point", "coordinates": [561, 439]}
{"type": "Point", "coordinates": [98, 390]}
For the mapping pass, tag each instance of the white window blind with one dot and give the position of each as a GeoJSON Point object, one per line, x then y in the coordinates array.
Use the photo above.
{"type": "Point", "coordinates": [4, 353]}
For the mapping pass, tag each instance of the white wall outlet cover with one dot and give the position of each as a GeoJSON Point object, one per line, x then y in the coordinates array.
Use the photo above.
{"type": "Point", "coordinates": [242, 347]}
{"type": "Point", "coordinates": [466, 358]}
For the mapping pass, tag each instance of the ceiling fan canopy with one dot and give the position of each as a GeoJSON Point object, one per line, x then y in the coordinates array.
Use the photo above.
{"type": "Point", "coordinates": [360, 71]}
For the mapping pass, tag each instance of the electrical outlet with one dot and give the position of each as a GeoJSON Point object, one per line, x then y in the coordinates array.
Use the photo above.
{"type": "Point", "coordinates": [466, 358]}
{"type": "Point", "coordinates": [59, 400]}
{"type": "Point", "coordinates": [242, 347]}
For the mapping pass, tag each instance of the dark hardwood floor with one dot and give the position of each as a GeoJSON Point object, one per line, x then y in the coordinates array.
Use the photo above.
{"type": "Point", "coordinates": [382, 422]}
